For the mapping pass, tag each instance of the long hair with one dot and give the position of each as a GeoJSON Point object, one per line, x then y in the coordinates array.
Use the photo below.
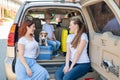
{"type": "Point", "coordinates": [80, 30]}
{"type": "Point", "coordinates": [23, 27]}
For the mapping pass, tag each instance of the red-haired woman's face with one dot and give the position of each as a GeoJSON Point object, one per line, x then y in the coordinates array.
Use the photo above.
{"type": "Point", "coordinates": [31, 29]}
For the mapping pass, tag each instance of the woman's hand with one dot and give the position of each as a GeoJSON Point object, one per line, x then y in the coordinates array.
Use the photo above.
{"type": "Point", "coordinates": [29, 72]}
{"type": "Point", "coordinates": [70, 68]}
{"type": "Point", "coordinates": [66, 69]}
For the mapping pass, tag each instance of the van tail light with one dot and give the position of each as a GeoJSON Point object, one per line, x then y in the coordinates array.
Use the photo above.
{"type": "Point", "coordinates": [11, 36]}
{"type": "Point", "coordinates": [89, 79]}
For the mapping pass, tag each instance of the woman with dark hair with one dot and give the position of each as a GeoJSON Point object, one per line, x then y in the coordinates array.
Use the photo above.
{"type": "Point", "coordinates": [77, 61]}
{"type": "Point", "coordinates": [26, 66]}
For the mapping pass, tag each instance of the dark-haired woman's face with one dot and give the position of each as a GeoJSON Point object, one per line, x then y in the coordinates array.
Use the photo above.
{"type": "Point", "coordinates": [73, 27]}
{"type": "Point", "coordinates": [31, 29]}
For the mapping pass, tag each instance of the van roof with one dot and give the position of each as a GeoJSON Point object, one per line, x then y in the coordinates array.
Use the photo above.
{"type": "Point", "coordinates": [49, 1]}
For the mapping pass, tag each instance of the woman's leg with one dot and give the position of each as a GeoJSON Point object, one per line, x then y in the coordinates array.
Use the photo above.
{"type": "Point", "coordinates": [39, 73]}
{"type": "Point", "coordinates": [78, 71]}
{"type": "Point", "coordinates": [20, 71]}
{"type": "Point", "coordinates": [59, 73]}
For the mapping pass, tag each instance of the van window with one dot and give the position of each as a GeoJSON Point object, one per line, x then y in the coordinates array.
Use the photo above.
{"type": "Point", "coordinates": [103, 19]}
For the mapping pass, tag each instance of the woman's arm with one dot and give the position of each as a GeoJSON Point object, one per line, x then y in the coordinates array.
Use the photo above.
{"type": "Point", "coordinates": [66, 68]}
{"type": "Point", "coordinates": [22, 59]}
{"type": "Point", "coordinates": [80, 48]}
{"type": "Point", "coordinates": [68, 54]}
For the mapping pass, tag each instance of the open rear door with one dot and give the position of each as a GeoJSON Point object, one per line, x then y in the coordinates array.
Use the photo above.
{"type": "Point", "coordinates": [104, 47]}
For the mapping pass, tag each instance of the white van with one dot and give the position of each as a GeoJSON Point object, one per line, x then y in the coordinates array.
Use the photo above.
{"type": "Point", "coordinates": [104, 42]}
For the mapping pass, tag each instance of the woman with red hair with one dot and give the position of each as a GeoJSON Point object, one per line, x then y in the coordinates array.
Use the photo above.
{"type": "Point", "coordinates": [26, 66]}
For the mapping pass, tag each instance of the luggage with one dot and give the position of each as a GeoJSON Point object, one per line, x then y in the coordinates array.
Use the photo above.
{"type": "Point", "coordinates": [58, 32]}
{"type": "Point", "coordinates": [45, 53]}
{"type": "Point", "coordinates": [64, 35]}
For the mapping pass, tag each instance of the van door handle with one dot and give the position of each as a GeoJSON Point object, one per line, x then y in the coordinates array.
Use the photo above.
{"type": "Point", "coordinates": [103, 42]}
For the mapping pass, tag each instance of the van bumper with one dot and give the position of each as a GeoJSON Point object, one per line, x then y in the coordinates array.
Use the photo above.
{"type": "Point", "coordinates": [8, 68]}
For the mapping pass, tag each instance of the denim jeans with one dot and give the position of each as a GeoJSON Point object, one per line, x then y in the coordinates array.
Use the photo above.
{"type": "Point", "coordinates": [55, 44]}
{"type": "Point", "coordinates": [78, 71]}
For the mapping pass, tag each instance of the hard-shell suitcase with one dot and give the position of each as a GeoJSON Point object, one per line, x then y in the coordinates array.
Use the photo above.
{"type": "Point", "coordinates": [45, 53]}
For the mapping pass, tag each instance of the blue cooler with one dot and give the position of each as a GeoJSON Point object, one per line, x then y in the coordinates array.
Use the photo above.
{"type": "Point", "coordinates": [45, 53]}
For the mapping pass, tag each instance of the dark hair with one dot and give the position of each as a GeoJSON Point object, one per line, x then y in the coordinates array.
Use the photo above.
{"type": "Point", "coordinates": [81, 29]}
{"type": "Point", "coordinates": [23, 29]}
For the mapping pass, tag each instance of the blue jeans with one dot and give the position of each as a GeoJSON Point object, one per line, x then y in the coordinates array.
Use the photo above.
{"type": "Point", "coordinates": [78, 71]}
{"type": "Point", "coordinates": [55, 44]}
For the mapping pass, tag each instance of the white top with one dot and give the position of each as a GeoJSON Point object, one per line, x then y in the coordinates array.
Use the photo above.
{"type": "Point", "coordinates": [84, 56]}
{"type": "Point", "coordinates": [49, 29]}
{"type": "Point", "coordinates": [30, 47]}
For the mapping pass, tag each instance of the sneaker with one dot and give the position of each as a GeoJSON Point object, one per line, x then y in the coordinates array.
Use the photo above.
{"type": "Point", "coordinates": [56, 55]}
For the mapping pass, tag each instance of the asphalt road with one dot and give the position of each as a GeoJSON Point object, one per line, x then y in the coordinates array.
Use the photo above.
{"type": "Point", "coordinates": [4, 30]}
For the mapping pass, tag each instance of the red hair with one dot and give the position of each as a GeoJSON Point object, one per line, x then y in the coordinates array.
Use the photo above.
{"type": "Point", "coordinates": [23, 28]}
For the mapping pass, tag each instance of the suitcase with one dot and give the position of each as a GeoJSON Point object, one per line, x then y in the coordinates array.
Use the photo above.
{"type": "Point", "coordinates": [45, 53]}
{"type": "Point", "coordinates": [64, 35]}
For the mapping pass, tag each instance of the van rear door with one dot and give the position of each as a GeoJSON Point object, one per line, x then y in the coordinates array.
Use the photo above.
{"type": "Point", "coordinates": [104, 42]}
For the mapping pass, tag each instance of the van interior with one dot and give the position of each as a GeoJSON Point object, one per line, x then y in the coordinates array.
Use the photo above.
{"type": "Point", "coordinates": [38, 16]}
